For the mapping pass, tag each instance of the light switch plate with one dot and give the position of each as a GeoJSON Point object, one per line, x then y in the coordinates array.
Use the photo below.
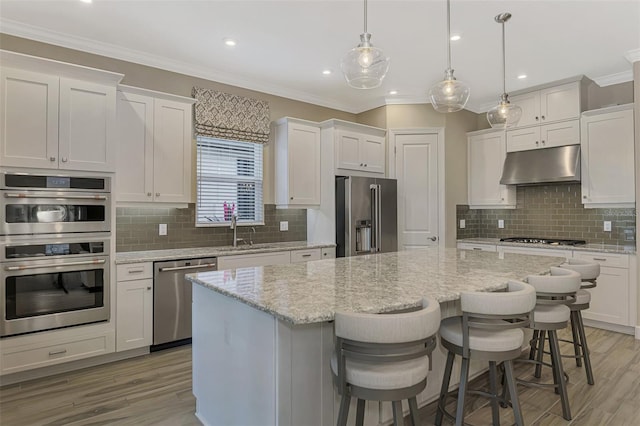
{"type": "Point", "coordinates": [500, 223]}
{"type": "Point", "coordinates": [284, 225]}
{"type": "Point", "coordinates": [607, 225]}
{"type": "Point", "coordinates": [162, 229]}
{"type": "Point", "coordinates": [462, 224]}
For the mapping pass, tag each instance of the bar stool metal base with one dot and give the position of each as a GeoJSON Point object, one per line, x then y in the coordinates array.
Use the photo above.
{"type": "Point", "coordinates": [579, 342]}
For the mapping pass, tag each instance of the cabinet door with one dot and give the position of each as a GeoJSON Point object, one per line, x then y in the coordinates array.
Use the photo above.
{"type": "Point", "coordinates": [609, 299]}
{"type": "Point", "coordinates": [172, 151]}
{"type": "Point", "coordinates": [87, 126]}
{"type": "Point", "coordinates": [28, 119]}
{"type": "Point", "coordinates": [559, 134]}
{"type": "Point", "coordinates": [560, 102]}
{"type": "Point", "coordinates": [530, 104]}
{"type": "Point", "coordinates": [134, 314]}
{"type": "Point", "coordinates": [134, 168]}
{"type": "Point", "coordinates": [348, 151]}
{"type": "Point", "coordinates": [523, 139]}
{"type": "Point", "coordinates": [304, 164]}
{"type": "Point", "coordinates": [608, 158]}
{"type": "Point", "coordinates": [372, 153]}
{"type": "Point", "coordinates": [486, 155]}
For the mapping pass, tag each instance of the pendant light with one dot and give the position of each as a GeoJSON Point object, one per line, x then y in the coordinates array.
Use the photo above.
{"type": "Point", "coordinates": [364, 66]}
{"type": "Point", "coordinates": [505, 114]}
{"type": "Point", "coordinates": [450, 95]}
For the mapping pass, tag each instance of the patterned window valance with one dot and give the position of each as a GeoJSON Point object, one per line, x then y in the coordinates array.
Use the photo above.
{"type": "Point", "coordinates": [225, 116]}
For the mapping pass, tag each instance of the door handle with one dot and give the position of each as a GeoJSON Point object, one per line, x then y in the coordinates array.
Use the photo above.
{"type": "Point", "coordinates": [182, 268]}
{"type": "Point", "coordinates": [54, 265]}
{"type": "Point", "coordinates": [57, 197]}
{"type": "Point", "coordinates": [434, 238]}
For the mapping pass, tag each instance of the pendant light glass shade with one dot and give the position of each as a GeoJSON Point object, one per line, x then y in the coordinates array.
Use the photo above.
{"type": "Point", "coordinates": [364, 66]}
{"type": "Point", "coordinates": [504, 115]}
{"type": "Point", "coordinates": [450, 95]}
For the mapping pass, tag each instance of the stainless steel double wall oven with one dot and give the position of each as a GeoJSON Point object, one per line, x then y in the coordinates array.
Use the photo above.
{"type": "Point", "coordinates": [55, 244]}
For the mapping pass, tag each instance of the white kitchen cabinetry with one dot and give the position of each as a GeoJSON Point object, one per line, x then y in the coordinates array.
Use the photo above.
{"type": "Point", "coordinates": [251, 260]}
{"type": "Point", "coordinates": [134, 306]}
{"type": "Point", "coordinates": [297, 159]}
{"type": "Point", "coordinates": [486, 151]}
{"type": "Point", "coordinates": [477, 247]}
{"type": "Point", "coordinates": [154, 147]}
{"type": "Point", "coordinates": [557, 103]}
{"type": "Point", "coordinates": [56, 121]}
{"type": "Point", "coordinates": [567, 254]}
{"type": "Point", "coordinates": [613, 300]}
{"type": "Point", "coordinates": [298, 256]}
{"type": "Point", "coordinates": [546, 136]}
{"type": "Point", "coordinates": [329, 253]}
{"type": "Point", "coordinates": [608, 178]}
{"type": "Point", "coordinates": [360, 150]}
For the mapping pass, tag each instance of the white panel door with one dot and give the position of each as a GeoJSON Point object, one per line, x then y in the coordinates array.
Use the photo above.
{"type": "Point", "coordinates": [87, 126]}
{"type": "Point", "coordinates": [134, 168]}
{"type": "Point", "coordinates": [417, 175]}
{"type": "Point", "coordinates": [172, 151]}
{"type": "Point", "coordinates": [28, 119]}
{"type": "Point", "coordinates": [134, 314]}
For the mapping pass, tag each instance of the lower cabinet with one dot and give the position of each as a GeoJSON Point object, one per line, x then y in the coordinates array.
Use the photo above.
{"type": "Point", "coordinates": [252, 260]}
{"type": "Point", "coordinates": [134, 306]}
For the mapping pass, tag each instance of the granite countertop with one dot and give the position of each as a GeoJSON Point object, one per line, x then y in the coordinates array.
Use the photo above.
{"type": "Point", "coordinates": [198, 252]}
{"type": "Point", "coordinates": [312, 292]}
{"type": "Point", "coordinates": [599, 247]}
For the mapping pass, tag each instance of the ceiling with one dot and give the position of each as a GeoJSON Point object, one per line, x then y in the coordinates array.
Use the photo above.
{"type": "Point", "coordinates": [283, 46]}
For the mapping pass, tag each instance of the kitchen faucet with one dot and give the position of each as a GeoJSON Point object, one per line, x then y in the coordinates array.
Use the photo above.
{"type": "Point", "coordinates": [234, 226]}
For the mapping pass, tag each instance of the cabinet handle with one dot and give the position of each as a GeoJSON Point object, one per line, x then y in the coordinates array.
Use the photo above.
{"type": "Point", "coordinates": [361, 164]}
{"type": "Point", "coordinates": [501, 199]}
{"type": "Point", "coordinates": [477, 248]}
{"type": "Point", "coordinates": [60, 352]}
{"type": "Point", "coordinates": [64, 159]}
{"type": "Point", "coordinates": [584, 196]}
{"type": "Point", "coordinates": [136, 271]}
{"type": "Point", "coordinates": [52, 158]}
{"type": "Point", "coordinates": [365, 164]}
{"type": "Point", "coordinates": [291, 198]}
{"type": "Point", "coordinates": [543, 117]}
{"type": "Point", "coordinates": [148, 194]}
{"type": "Point", "coordinates": [600, 259]}
{"type": "Point", "coordinates": [157, 194]}
{"type": "Point", "coordinates": [148, 288]}
{"type": "Point", "coordinates": [537, 118]}
{"type": "Point", "coordinates": [306, 255]}
{"type": "Point", "coordinates": [542, 142]}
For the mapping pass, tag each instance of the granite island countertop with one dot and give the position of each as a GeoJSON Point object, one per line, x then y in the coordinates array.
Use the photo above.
{"type": "Point", "coordinates": [312, 292]}
{"type": "Point", "coordinates": [200, 252]}
{"type": "Point", "coordinates": [598, 247]}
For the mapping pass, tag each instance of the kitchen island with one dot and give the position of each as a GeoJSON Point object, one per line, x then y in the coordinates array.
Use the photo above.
{"type": "Point", "coordinates": [263, 337]}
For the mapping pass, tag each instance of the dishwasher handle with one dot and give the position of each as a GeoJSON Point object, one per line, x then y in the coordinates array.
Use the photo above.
{"type": "Point", "coordinates": [184, 268]}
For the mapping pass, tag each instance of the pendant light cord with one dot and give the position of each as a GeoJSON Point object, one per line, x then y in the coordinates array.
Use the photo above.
{"type": "Point", "coordinates": [365, 16]}
{"type": "Point", "coordinates": [504, 63]}
{"type": "Point", "coordinates": [448, 34]}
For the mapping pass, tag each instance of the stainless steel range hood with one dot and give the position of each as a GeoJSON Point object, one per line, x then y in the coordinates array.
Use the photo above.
{"type": "Point", "coordinates": [537, 166]}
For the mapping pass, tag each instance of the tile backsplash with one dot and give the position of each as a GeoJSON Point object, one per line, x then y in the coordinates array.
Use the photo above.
{"type": "Point", "coordinates": [137, 228]}
{"type": "Point", "coordinates": [550, 211]}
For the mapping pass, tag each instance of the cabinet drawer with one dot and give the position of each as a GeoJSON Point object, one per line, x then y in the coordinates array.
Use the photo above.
{"type": "Point", "coordinates": [18, 359]}
{"type": "Point", "coordinates": [471, 246]}
{"type": "Point", "coordinates": [536, 251]}
{"type": "Point", "coordinates": [305, 255]}
{"type": "Point", "coordinates": [252, 260]}
{"type": "Point", "coordinates": [134, 271]}
{"type": "Point", "coordinates": [604, 259]}
{"type": "Point", "coordinates": [329, 253]}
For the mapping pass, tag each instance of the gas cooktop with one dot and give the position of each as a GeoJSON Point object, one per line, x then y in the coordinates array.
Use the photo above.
{"type": "Point", "coordinates": [550, 241]}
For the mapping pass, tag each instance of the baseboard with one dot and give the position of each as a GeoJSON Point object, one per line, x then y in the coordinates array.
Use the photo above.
{"type": "Point", "coordinates": [625, 329]}
{"type": "Point", "coordinates": [22, 376]}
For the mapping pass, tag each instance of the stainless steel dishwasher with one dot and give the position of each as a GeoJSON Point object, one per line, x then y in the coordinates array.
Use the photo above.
{"type": "Point", "coordinates": [172, 300]}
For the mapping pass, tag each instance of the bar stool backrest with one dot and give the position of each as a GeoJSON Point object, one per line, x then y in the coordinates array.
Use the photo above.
{"type": "Point", "coordinates": [561, 283]}
{"type": "Point", "coordinates": [589, 271]}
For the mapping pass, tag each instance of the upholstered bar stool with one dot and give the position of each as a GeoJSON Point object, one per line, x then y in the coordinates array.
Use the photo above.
{"type": "Point", "coordinates": [554, 292]}
{"type": "Point", "coordinates": [384, 357]}
{"type": "Point", "coordinates": [589, 272]}
{"type": "Point", "coordinates": [489, 330]}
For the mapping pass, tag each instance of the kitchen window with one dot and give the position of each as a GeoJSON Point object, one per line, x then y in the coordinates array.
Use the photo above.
{"type": "Point", "coordinates": [229, 182]}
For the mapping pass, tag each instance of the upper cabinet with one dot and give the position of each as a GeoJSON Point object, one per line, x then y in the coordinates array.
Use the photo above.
{"type": "Point", "coordinates": [154, 147]}
{"type": "Point", "coordinates": [486, 151]}
{"type": "Point", "coordinates": [558, 103]}
{"type": "Point", "coordinates": [608, 178]}
{"type": "Point", "coordinates": [359, 149]}
{"type": "Point", "coordinates": [62, 119]}
{"type": "Point", "coordinates": [550, 117]}
{"type": "Point", "coordinates": [297, 159]}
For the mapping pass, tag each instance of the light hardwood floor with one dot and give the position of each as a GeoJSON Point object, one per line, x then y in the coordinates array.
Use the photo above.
{"type": "Point", "coordinates": [156, 390]}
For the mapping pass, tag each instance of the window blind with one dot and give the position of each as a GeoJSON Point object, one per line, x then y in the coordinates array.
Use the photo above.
{"type": "Point", "coordinates": [229, 182]}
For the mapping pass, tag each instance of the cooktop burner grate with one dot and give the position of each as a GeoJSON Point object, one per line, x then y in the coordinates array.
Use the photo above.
{"type": "Point", "coordinates": [550, 241]}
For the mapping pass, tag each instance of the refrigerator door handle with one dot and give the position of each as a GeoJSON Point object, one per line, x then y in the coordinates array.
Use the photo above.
{"type": "Point", "coordinates": [376, 213]}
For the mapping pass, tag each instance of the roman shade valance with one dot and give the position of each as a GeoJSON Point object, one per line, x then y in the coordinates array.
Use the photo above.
{"type": "Point", "coordinates": [225, 116]}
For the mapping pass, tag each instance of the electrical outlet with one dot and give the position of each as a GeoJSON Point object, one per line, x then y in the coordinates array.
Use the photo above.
{"type": "Point", "coordinates": [462, 224]}
{"type": "Point", "coordinates": [162, 229]}
{"type": "Point", "coordinates": [284, 225]}
{"type": "Point", "coordinates": [607, 225]}
{"type": "Point", "coordinates": [500, 223]}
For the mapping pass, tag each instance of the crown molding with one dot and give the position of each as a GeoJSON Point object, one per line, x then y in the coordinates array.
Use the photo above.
{"type": "Point", "coordinates": [633, 55]}
{"type": "Point", "coordinates": [608, 80]}
{"type": "Point", "coordinates": [19, 29]}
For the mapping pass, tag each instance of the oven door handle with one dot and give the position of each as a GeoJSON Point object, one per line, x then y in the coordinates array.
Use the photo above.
{"type": "Point", "coordinates": [58, 197]}
{"type": "Point", "coordinates": [53, 265]}
{"type": "Point", "coordinates": [182, 268]}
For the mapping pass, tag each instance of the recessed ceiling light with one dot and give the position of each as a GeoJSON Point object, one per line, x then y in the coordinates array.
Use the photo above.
{"type": "Point", "coordinates": [229, 42]}
{"type": "Point", "coordinates": [326, 72]}
{"type": "Point", "coordinates": [522, 76]}
{"type": "Point", "coordinates": [455, 37]}
{"type": "Point", "coordinates": [393, 92]}
{"type": "Point", "coordinates": [86, 1]}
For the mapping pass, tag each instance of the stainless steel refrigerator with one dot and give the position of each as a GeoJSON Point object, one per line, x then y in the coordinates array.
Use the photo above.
{"type": "Point", "coordinates": [366, 215]}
